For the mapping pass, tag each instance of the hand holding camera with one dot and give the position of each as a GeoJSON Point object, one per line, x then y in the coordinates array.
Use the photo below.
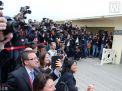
{"type": "Point", "coordinates": [58, 65]}
{"type": "Point", "coordinates": [2, 27]}
{"type": "Point", "coordinates": [3, 21]}
{"type": "Point", "coordinates": [3, 24]}
{"type": "Point", "coordinates": [56, 62]}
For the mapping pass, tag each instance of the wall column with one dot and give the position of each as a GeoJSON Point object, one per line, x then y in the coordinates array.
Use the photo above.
{"type": "Point", "coordinates": [117, 45]}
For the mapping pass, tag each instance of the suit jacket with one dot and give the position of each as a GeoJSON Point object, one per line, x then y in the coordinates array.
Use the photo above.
{"type": "Point", "coordinates": [67, 77]}
{"type": "Point", "coordinates": [18, 80]}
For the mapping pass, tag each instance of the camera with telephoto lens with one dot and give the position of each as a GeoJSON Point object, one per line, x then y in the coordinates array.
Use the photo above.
{"type": "Point", "coordinates": [10, 22]}
{"type": "Point", "coordinates": [19, 20]}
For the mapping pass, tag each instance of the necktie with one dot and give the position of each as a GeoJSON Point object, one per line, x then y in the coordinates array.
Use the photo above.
{"type": "Point", "coordinates": [32, 75]}
{"type": "Point", "coordinates": [31, 78]}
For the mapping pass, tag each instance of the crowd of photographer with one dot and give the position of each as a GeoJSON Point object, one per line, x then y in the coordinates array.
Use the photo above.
{"type": "Point", "coordinates": [54, 44]}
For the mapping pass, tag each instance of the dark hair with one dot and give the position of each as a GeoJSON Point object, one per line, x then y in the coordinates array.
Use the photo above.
{"type": "Point", "coordinates": [41, 58]}
{"type": "Point", "coordinates": [67, 65]}
{"type": "Point", "coordinates": [40, 81]}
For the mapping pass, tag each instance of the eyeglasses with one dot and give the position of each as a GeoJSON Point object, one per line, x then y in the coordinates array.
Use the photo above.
{"type": "Point", "coordinates": [35, 58]}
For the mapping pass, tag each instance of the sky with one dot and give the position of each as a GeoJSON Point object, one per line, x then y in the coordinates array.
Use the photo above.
{"type": "Point", "coordinates": [63, 9]}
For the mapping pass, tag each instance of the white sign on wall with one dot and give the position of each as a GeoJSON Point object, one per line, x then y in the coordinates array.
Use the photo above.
{"type": "Point", "coordinates": [108, 56]}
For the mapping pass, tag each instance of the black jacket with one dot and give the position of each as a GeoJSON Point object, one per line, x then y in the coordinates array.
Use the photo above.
{"type": "Point", "coordinates": [71, 82]}
{"type": "Point", "coordinates": [18, 80]}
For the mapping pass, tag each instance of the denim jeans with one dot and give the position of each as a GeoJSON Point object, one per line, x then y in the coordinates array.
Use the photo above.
{"type": "Point", "coordinates": [95, 50]}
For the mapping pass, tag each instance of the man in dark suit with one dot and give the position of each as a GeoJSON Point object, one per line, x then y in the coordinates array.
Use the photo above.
{"type": "Point", "coordinates": [21, 79]}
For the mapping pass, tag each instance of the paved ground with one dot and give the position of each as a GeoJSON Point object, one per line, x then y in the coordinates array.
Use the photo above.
{"type": "Point", "coordinates": [107, 77]}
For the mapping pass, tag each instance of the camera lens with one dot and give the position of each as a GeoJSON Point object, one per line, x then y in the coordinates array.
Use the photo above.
{"type": "Point", "coordinates": [29, 11]}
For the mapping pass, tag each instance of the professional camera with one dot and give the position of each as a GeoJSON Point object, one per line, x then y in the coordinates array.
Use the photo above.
{"type": "Point", "coordinates": [25, 10]}
{"type": "Point", "coordinates": [18, 21]}
{"type": "Point", "coordinates": [12, 25]}
{"type": "Point", "coordinates": [9, 21]}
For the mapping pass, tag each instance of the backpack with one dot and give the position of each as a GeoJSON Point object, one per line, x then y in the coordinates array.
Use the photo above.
{"type": "Point", "coordinates": [62, 86]}
{"type": "Point", "coordinates": [89, 44]}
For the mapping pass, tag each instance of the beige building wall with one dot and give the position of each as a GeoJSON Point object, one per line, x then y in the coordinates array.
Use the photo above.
{"type": "Point", "coordinates": [117, 41]}
{"type": "Point", "coordinates": [94, 23]}
{"type": "Point", "coordinates": [117, 46]}
{"type": "Point", "coordinates": [96, 29]}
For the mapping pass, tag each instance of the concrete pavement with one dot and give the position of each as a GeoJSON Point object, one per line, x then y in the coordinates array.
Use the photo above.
{"type": "Point", "coordinates": [107, 77]}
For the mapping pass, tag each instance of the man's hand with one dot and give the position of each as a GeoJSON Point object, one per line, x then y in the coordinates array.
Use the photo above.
{"type": "Point", "coordinates": [4, 38]}
{"type": "Point", "coordinates": [58, 64]}
{"type": "Point", "coordinates": [3, 24]}
{"type": "Point", "coordinates": [90, 87]}
{"type": "Point", "coordinates": [3, 21]}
